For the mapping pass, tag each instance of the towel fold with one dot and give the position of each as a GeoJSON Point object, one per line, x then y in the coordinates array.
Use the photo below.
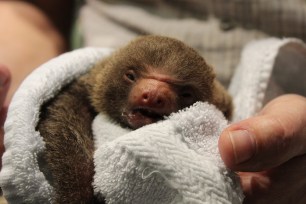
{"type": "Point", "coordinates": [173, 161]}
{"type": "Point", "coordinates": [20, 177]}
{"type": "Point", "coordinates": [266, 70]}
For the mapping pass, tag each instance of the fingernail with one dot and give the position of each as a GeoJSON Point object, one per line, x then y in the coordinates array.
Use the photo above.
{"type": "Point", "coordinates": [243, 143]}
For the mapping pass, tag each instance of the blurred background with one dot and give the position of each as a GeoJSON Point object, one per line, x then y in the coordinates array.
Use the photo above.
{"type": "Point", "coordinates": [218, 29]}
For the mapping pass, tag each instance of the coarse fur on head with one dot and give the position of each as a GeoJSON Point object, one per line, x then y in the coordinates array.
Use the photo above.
{"type": "Point", "coordinates": [154, 57]}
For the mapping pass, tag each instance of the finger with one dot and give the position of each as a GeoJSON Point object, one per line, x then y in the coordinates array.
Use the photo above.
{"type": "Point", "coordinates": [273, 137]}
{"type": "Point", "coordinates": [1, 146]}
{"type": "Point", "coordinates": [5, 79]}
{"type": "Point", "coordinates": [268, 186]}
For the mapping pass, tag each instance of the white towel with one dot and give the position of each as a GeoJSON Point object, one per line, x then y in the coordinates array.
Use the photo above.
{"type": "Point", "coordinates": [267, 68]}
{"type": "Point", "coordinates": [173, 161]}
{"type": "Point", "coordinates": [20, 178]}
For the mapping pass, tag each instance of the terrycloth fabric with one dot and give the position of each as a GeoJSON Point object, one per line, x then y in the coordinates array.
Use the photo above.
{"type": "Point", "coordinates": [20, 178]}
{"type": "Point", "coordinates": [267, 68]}
{"type": "Point", "coordinates": [173, 161]}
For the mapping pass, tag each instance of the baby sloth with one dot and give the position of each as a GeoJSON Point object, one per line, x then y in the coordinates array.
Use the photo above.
{"type": "Point", "coordinates": [150, 78]}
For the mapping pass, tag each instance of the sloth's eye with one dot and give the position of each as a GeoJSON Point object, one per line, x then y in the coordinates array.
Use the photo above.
{"type": "Point", "coordinates": [187, 96]}
{"type": "Point", "coordinates": [130, 76]}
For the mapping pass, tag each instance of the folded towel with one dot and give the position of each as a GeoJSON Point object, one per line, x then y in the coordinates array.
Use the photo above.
{"type": "Point", "coordinates": [266, 70]}
{"type": "Point", "coordinates": [173, 161]}
{"type": "Point", "coordinates": [20, 178]}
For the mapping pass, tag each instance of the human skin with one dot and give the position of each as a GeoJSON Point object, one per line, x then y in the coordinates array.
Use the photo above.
{"type": "Point", "coordinates": [29, 37]}
{"type": "Point", "coordinates": [5, 80]}
{"type": "Point", "coordinates": [268, 150]}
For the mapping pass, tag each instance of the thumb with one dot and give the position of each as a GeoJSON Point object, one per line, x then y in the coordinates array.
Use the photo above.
{"type": "Point", "coordinates": [269, 139]}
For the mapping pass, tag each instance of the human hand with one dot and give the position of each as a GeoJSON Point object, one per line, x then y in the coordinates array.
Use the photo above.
{"type": "Point", "coordinates": [5, 79]}
{"type": "Point", "coordinates": [269, 152]}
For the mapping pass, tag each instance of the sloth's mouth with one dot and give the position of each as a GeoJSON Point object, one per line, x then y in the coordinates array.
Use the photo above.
{"type": "Point", "coordinates": [148, 113]}
{"type": "Point", "coordinates": [140, 116]}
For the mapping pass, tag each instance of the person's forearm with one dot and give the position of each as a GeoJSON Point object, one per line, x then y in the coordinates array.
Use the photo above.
{"type": "Point", "coordinates": [27, 38]}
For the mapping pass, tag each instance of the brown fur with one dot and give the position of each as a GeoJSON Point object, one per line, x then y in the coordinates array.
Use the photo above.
{"type": "Point", "coordinates": [65, 125]}
{"type": "Point", "coordinates": [65, 122]}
